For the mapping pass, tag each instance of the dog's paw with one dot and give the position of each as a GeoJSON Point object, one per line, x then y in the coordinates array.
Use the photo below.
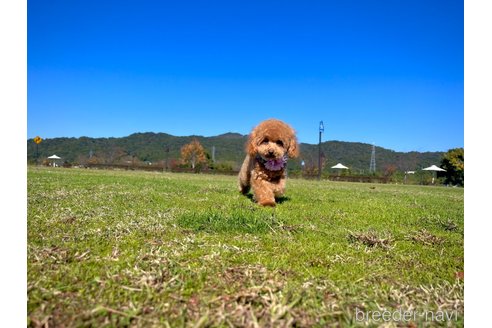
{"type": "Point", "coordinates": [270, 203]}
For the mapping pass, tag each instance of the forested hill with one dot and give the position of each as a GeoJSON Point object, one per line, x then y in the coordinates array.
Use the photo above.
{"type": "Point", "coordinates": [229, 148]}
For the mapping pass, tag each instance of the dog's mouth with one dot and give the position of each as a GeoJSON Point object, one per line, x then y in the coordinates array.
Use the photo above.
{"type": "Point", "coordinates": [275, 164]}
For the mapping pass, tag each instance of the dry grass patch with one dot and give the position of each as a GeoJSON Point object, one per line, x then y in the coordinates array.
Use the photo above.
{"type": "Point", "coordinates": [425, 237]}
{"type": "Point", "coordinates": [371, 239]}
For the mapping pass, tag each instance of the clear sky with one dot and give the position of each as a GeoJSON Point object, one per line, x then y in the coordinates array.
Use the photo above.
{"type": "Point", "coordinates": [385, 72]}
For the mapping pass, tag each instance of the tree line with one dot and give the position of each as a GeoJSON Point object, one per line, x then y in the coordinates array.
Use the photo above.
{"type": "Point", "coordinates": [166, 150]}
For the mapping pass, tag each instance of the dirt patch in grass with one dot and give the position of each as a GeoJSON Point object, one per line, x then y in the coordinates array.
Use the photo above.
{"type": "Point", "coordinates": [425, 237]}
{"type": "Point", "coordinates": [371, 239]}
{"type": "Point", "coordinates": [448, 225]}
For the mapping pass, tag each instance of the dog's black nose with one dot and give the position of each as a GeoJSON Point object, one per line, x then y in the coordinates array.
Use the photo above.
{"type": "Point", "coordinates": [270, 152]}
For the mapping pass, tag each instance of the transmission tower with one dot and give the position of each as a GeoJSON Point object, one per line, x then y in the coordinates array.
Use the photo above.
{"type": "Point", "coordinates": [372, 166]}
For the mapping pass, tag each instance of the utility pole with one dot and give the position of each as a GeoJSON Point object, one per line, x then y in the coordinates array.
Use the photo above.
{"type": "Point", "coordinates": [167, 159]}
{"type": "Point", "coordinates": [321, 130]}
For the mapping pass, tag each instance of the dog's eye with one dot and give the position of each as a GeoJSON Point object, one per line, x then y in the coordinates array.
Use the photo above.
{"type": "Point", "coordinates": [265, 141]}
{"type": "Point", "coordinates": [280, 143]}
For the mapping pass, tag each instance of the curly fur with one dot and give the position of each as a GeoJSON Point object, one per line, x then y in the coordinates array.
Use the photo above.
{"type": "Point", "coordinates": [271, 140]}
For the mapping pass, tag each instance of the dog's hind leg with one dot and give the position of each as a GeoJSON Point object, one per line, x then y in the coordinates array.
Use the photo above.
{"type": "Point", "coordinates": [245, 175]}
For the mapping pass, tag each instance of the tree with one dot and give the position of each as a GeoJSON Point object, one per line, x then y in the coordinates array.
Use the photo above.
{"type": "Point", "coordinates": [454, 164]}
{"type": "Point", "coordinates": [193, 154]}
{"type": "Point", "coordinates": [115, 154]}
{"type": "Point", "coordinates": [389, 170]}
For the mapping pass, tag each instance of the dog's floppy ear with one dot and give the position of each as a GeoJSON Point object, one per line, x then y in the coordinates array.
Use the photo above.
{"type": "Point", "coordinates": [252, 143]}
{"type": "Point", "coordinates": [293, 150]}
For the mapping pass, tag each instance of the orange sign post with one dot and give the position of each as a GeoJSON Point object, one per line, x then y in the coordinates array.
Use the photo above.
{"type": "Point", "coordinates": [37, 141]}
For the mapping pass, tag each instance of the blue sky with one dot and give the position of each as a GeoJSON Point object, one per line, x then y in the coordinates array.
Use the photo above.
{"type": "Point", "coordinates": [384, 72]}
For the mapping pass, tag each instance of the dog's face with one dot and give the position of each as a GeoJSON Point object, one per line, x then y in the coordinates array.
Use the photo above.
{"type": "Point", "coordinates": [271, 149]}
{"type": "Point", "coordinates": [272, 139]}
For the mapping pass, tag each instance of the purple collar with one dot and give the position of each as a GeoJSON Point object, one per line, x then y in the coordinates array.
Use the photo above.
{"type": "Point", "coordinates": [273, 164]}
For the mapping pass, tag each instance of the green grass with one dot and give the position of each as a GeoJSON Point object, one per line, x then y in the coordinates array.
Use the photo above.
{"type": "Point", "coordinates": [114, 248]}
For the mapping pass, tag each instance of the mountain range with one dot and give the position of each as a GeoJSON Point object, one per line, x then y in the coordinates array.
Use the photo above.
{"type": "Point", "coordinates": [227, 148]}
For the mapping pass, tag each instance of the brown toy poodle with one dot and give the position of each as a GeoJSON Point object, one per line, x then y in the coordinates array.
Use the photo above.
{"type": "Point", "coordinates": [269, 146]}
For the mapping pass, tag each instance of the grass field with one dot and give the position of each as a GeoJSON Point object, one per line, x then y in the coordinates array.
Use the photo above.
{"type": "Point", "coordinates": [120, 248]}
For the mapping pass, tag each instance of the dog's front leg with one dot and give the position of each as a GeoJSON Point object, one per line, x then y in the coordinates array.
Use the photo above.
{"type": "Point", "coordinates": [263, 192]}
{"type": "Point", "coordinates": [279, 189]}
